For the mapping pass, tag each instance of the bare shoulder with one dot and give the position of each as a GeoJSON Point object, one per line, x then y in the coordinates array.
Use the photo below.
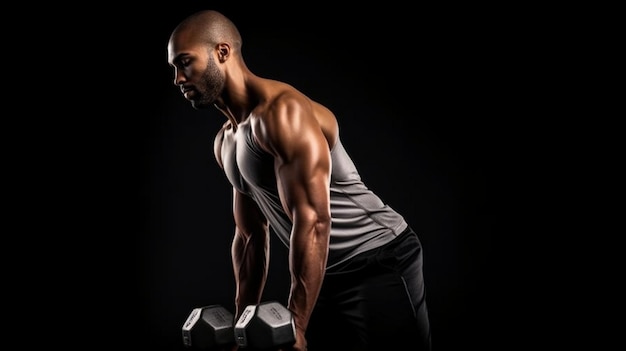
{"type": "Point", "coordinates": [285, 114]}
{"type": "Point", "coordinates": [288, 105]}
{"type": "Point", "coordinates": [290, 117]}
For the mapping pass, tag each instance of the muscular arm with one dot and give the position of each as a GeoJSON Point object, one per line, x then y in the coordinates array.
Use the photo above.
{"type": "Point", "coordinates": [250, 246]}
{"type": "Point", "coordinates": [302, 165]}
{"type": "Point", "coordinates": [250, 250]}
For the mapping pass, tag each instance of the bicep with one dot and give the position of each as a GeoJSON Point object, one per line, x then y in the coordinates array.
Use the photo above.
{"type": "Point", "coordinates": [303, 177]}
{"type": "Point", "coordinates": [302, 162]}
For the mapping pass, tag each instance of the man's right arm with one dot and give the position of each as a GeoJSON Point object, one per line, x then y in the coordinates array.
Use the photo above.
{"type": "Point", "coordinates": [250, 252]}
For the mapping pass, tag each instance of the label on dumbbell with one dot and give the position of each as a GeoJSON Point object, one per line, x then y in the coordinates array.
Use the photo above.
{"type": "Point", "coordinates": [194, 316]}
{"type": "Point", "coordinates": [192, 319]}
{"type": "Point", "coordinates": [218, 316]}
{"type": "Point", "coordinates": [242, 323]}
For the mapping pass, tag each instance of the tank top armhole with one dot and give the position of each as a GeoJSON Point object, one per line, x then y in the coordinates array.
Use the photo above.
{"type": "Point", "coordinates": [334, 146]}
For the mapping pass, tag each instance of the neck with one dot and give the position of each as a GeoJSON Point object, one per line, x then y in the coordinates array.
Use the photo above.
{"type": "Point", "coordinates": [240, 99]}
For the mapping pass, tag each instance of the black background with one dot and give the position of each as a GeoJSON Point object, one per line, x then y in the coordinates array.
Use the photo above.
{"type": "Point", "coordinates": [433, 105]}
{"type": "Point", "coordinates": [416, 104]}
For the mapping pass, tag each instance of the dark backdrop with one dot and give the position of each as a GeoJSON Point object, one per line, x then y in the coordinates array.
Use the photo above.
{"type": "Point", "coordinates": [420, 106]}
{"type": "Point", "coordinates": [431, 106]}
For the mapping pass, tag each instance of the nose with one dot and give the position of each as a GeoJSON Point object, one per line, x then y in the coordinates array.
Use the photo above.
{"type": "Point", "coordinates": [179, 77]}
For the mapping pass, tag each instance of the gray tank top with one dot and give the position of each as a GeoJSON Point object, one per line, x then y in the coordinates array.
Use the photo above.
{"type": "Point", "coordinates": [360, 219]}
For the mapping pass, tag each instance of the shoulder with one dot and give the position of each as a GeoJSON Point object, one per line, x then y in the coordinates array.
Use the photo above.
{"type": "Point", "coordinates": [287, 108]}
{"type": "Point", "coordinates": [288, 115]}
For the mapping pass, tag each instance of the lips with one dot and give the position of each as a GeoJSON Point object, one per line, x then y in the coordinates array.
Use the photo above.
{"type": "Point", "coordinates": [188, 93]}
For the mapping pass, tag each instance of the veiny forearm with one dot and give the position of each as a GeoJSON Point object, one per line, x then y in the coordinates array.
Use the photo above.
{"type": "Point", "coordinates": [308, 255]}
{"type": "Point", "coordinates": [250, 264]}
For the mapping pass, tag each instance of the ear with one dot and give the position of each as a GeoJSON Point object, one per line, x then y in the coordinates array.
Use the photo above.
{"type": "Point", "coordinates": [223, 52]}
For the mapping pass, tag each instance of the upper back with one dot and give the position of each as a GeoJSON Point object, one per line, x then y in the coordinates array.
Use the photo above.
{"type": "Point", "coordinates": [279, 94]}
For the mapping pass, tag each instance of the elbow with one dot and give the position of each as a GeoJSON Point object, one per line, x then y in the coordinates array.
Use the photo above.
{"type": "Point", "coordinates": [315, 222]}
{"type": "Point", "coordinates": [322, 225]}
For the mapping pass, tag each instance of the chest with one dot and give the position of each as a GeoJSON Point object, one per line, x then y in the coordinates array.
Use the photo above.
{"type": "Point", "coordinates": [247, 166]}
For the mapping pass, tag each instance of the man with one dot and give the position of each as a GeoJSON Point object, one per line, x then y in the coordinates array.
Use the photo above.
{"type": "Point", "coordinates": [356, 265]}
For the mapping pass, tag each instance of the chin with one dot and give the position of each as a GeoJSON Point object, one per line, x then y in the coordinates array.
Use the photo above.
{"type": "Point", "coordinates": [200, 105]}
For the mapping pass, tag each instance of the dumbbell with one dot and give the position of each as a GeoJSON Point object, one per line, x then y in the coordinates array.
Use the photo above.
{"type": "Point", "coordinates": [209, 328]}
{"type": "Point", "coordinates": [268, 325]}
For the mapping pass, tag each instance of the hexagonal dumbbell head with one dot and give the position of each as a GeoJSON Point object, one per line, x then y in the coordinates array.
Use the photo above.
{"type": "Point", "coordinates": [208, 327]}
{"type": "Point", "coordinates": [265, 326]}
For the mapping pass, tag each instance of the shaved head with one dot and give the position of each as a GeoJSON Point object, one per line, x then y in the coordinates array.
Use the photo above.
{"type": "Point", "coordinates": [209, 28]}
{"type": "Point", "coordinates": [201, 50]}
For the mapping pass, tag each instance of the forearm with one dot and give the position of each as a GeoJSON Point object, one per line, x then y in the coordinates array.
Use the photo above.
{"type": "Point", "coordinates": [250, 265]}
{"type": "Point", "coordinates": [308, 256]}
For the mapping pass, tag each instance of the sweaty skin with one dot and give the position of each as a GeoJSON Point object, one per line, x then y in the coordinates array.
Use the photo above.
{"type": "Point", "coordinates": [296, 131]}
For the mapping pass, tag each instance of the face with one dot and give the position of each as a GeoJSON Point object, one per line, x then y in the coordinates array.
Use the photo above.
{"type": "Point", "coordinates": [196, 73]}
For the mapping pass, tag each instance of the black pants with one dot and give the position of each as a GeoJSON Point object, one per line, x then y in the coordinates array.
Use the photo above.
{"type": "Point", "coordinates": [374, 302]}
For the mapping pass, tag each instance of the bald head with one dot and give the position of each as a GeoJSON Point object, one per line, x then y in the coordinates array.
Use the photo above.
{"type": "Point", "coordinates": [209, 28]}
